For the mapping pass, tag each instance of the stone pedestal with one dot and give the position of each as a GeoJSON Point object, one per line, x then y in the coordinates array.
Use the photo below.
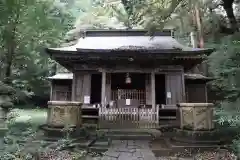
{"type": "Point", "coordinates": [196, 116]}
{"type": "Point", "coordinates": [196, 124]}
{"type": "Point", "coordinates": [64, 113]}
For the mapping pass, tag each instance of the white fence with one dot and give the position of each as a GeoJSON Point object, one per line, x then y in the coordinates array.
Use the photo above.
{"type": "Point", "coordinates": [128, 117]}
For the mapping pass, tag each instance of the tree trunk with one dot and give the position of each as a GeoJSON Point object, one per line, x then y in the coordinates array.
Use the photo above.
{"type": "Point", "coordinates": [228, 7]}
{"type": "Point", "coordinates": [9, 56]}
{"type": "Point", "coordinates": [11, 45]}
{"type": "Point", "coordinates": [9, 61]}
{"type": "Point", "coordinates": [199, 27]}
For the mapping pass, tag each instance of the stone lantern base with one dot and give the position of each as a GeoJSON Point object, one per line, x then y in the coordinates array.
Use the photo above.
{"type": "Point", "coordinates": [198, 137]}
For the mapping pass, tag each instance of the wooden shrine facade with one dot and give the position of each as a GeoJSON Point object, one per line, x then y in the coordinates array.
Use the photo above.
{"type": "Point", "coordinates": [192, 88]}
{"type": "Point", "coordinates": [127, 72]}
{"type": "Point", "coordinates": [102, 61]}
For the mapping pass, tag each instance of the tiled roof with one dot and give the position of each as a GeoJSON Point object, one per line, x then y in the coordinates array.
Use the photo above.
{"type": "Point", "coordinates": [127, 40]}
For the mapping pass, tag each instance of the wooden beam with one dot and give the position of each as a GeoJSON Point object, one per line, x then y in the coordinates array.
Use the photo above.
{"type": "Point", "coordinates": [128, 68]}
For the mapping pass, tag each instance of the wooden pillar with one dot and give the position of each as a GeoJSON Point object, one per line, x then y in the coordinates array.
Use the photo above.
{"type": "Point", "coordinates": [184, 99]}
{"type": "Point", "coordinates": [148, 89]}
{"type": "Point", "coordinates": [74, 87]}
{"type": "Point", "coordinates": [103, 95]}
{"type": "Point", "coordinates": [86, 92]}
{"type": "Point", "coordinates": [206, 93]}
{"type": "Point", "coordinates": [108, 88]}
{"type": "Point", "coordinates": [51, 91]}
{"type": "Point", "coordinates": [153, 90]}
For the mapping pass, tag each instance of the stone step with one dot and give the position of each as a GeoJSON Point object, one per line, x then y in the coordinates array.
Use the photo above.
{"type": "Point", "coordinates": [129, 136]}
{"type": "Point", "coordinates": [130, 131]}
{"type": "Point", "coordinates": [160, 147]}
{"type": "Point", "coordinates": [166, 147]}
{"type": "Point", "coordinates": [189, 140]}
{"type": "Point", "coordinates": [99, 145]}
{"type": "Point", "coordinates": [81, 143]}
{"type": "Point", "coordinates": [98, 149]}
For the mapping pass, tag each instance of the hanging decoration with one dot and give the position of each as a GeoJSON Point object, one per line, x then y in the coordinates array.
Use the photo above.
{"type": "Point", "coordinates": [128, 79]}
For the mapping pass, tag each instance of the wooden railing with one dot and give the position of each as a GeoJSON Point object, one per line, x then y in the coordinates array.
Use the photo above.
{"type": "Point", "coordinates": [129, 94]}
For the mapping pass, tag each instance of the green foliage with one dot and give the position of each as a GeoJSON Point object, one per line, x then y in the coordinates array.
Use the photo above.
{"type": "Point", "coordinates": [18, 142]}
{"type": "Point", "coordinates": [27, 27]}
{"type": "Point", "coordinates": [224, 65]}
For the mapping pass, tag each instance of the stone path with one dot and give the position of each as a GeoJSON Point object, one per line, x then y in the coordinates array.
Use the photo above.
{"type": "Point", "coordinates": [129, 150]}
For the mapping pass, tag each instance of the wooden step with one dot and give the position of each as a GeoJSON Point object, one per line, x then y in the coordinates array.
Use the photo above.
{"type": "Point", "coordinates": [167, 118]}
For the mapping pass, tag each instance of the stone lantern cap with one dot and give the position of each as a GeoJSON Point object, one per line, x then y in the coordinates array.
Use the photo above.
{"type": "Point", "coordinates": [65, 103]}
{"type": "Point", "coordinates": [210, 105]}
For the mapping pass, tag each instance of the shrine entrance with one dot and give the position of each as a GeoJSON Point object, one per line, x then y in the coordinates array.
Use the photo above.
{"type": "Point", "coordinates": [128, 90]}
{"type": "Point", "coordinates": [128, 108]}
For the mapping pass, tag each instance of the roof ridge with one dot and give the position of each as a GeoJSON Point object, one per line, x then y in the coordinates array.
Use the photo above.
{"type": "Point", "coordinates": [124, 32]}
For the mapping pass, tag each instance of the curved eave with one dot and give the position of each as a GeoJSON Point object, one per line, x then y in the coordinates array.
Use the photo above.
{"type": "Point", "coordinates": [61, 76]}
{"type": "Point", "coordinates": [148, 51]}
{"type": "Point", "coordinates": [102, 52]}
{"type": "Point", "coordinates": [199, 79]}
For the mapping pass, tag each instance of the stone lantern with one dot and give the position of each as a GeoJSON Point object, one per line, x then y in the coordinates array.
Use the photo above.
{"type": "Point", "coordinates": [6, 102]}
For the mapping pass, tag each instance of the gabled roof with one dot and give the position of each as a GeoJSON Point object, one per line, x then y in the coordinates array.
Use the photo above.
{"type": "Point", "coordinates": [130, 42]}
{"type": "Point", "coordinates": [109, 40]}
{"type": "Point", "coordinates": [117, 46]}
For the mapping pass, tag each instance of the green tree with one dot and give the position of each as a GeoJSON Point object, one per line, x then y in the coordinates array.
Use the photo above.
{"type": "Point", "coordinates": [28, 26]}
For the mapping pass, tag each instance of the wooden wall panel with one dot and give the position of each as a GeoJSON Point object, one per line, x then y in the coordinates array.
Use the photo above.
{"type": "Point", "coordinates": [79, 87]}
{"type": "Point", "coordinates": [196, 93]}
{"type": "Point", "coordinates": [83, 86]}
{"type": "Point", "coordinates": [61, 92]}
{"type": "Point", "coordinates": [175, 86]}
{"type": "Point", "coordinates": [86, 85]}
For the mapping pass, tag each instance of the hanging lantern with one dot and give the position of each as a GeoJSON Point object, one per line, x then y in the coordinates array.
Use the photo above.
{"type": "Point", "coordinates": [128, 79]}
